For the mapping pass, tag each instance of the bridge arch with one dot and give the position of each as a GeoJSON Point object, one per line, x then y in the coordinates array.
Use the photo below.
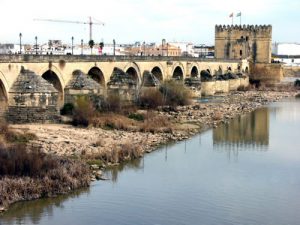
{"type": "Point", "coordinates": [133, 70]}
{"type": "Point", "coordinates": [194, 71]}
{"type": "Point", "coordinates": [97, 75]}
{"type": "Point", "coordinates": [157, 72]}
{"type": "Point", "coordinates": [4, 83]}
{"type": "Point", "coordinates": [178, 71]}
{"type": "Point", "coordinates": [53, 78]}
{"type": "Point", "coordinates": [3, 94]}
{"type": "Point", "coordinates": [57, 72]}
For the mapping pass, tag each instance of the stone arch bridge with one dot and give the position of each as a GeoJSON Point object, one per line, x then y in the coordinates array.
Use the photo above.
{"type": "Point", "coordinates": [59, 69]}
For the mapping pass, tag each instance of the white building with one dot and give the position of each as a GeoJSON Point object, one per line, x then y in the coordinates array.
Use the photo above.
{"type": "Point", "coordinates": [287, 53]}
{"type": "Point", "coordinates": [203, 51]}
{"type": "Point", "coordinates": [10, 49]}
{"type": "Point", "coordinates": [290, 49]}
{"type": "Point", "coordinates": [187, 48]}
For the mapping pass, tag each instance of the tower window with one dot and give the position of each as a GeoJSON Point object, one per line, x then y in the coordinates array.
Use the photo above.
{"type": "Point", "coordinates": [241, 52]}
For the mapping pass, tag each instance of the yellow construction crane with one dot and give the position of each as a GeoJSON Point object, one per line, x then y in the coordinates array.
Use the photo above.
{"type": "Point", "coordinates": [90, 23]}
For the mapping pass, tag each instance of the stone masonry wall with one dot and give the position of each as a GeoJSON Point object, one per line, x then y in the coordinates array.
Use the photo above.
{"type": "Point", "coordinates": [266, 73]}
{"type": "Point", "coordinates": [18, 114]}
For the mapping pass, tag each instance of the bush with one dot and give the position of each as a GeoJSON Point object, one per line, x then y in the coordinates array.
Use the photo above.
{"type": "Point", "coordinates": [16, 161]}
{"type": "Point", "coordinates": [83, 111]}
{"type": "Point", "coordinates": [175, 93]}
{"type": "Point", "coordinates": [41, 176]}
{"type": "Point", "coordinates": [114, 103]}
{"type": "Point", "coordinates": [151, 99]}
{"type": "Point", "coordinates": [67, 109]}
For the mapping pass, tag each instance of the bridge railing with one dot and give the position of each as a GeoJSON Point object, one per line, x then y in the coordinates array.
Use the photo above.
{"type": "Point", "coordinates": [6, 58]}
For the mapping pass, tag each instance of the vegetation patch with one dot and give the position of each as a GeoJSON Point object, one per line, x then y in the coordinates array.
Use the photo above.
{"type": "Point", "coordinates": [26, 173]}
{"type": "Point", "coordinates": [175, 93]}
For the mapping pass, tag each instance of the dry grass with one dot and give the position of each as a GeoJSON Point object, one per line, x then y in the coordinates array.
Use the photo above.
{"type": "Point", "coordinates": [151, 99]}
{"type": "Point", "coordinates": [27, 173]}
{"type": "Point", "coordinates": [67, 176]}
{"type": "Point", "coordinates": [156, 123]}
{"type": "Point", "coordinates": [113, 121]}
{"type": "Point", "coordinates": [175, 93]}
{"type": "Point", "coordinates": [9, 136]}
{"type": "Point", "coordinates": [152, 122]}
{"type": "Point", "coordinates": [118, 154]}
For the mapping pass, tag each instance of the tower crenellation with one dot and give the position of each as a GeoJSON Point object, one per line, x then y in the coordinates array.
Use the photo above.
{"type": "Point", "coordinates": [243, 27]}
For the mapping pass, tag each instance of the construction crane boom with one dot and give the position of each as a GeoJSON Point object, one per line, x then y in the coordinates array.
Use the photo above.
{"type": "Point", "coordinates": [90, 23]}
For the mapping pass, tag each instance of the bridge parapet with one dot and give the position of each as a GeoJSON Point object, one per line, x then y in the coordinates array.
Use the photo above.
{"type": "Point", "coordinates": [92, 58]}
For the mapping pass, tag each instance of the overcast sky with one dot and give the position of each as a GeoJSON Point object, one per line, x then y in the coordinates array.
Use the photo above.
{"type": "Point", "coordinates": [128, 21]}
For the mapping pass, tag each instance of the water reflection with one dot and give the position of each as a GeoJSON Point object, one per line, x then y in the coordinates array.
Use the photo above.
{"type": "Point", "coordinates": [247, 130]}
{"type": "Point", "coordinates": [188, 182]}
{"type": "Point", "coordinates": [33, 211]}
{"type": "Point", "coordinates": [288, 113]}
{"type": "Point", "coordinates": [135, 165]}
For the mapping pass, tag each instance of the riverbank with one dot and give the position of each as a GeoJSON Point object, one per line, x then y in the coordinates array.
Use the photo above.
{"type": "Point", "coordinates": [26, 173]}
{"type": "Point", "coordinates": [186, 121]}
{"type": "Point", "coordinates": [108, 147]}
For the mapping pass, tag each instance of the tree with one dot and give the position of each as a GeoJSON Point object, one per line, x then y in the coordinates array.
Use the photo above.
{"type": "Point", "coordinates": [101, 45]}
{"type": "Point", "coordinates": [91, 44]}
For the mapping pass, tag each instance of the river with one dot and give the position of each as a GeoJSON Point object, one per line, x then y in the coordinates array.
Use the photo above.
{"type": "Point", "coordinates": [245, 172]}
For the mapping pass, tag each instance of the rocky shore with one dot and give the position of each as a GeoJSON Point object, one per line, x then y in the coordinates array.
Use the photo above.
{"type": "Point", "coordinates": [66, 140]}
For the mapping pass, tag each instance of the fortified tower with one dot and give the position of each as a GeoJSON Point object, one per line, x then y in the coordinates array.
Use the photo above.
{"type": "Point", "coordinates": [244, 42]}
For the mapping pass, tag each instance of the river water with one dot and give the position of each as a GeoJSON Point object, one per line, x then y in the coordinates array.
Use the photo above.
{"type": "Point", "coordinates": [244, 172]}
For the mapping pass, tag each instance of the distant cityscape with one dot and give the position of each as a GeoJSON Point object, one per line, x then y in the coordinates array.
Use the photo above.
{"type": "Point", "coordinates": [57, 47]}
{"type": "Point", "coordinates": [288, 53]}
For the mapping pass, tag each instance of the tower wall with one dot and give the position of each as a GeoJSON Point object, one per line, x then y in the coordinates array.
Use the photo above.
{"type": "Point", "coordinates": [241, 42]}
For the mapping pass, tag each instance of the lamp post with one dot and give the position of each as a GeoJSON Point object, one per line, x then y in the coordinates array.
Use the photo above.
{"type": "Point", "coordinates": [72, 44]}
{"type": "Point", "coordinates": [114, 43]}
{"type": "Point", "coordinates": [36, 45]}
{"type": "Point", "coordinates": [163, 41]}
{"type": "Point", "coordinates": [167, 49]}
{"type": "Point", "coordinates": [81, 46]}
{"type": "Point", "coordinates": [186, 50]}
{"type": "Point", "coordinates": [20, 36]}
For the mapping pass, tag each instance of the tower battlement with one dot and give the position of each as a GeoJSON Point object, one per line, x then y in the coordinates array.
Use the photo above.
{"type": "Point", "coordinates": [251, 28]}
